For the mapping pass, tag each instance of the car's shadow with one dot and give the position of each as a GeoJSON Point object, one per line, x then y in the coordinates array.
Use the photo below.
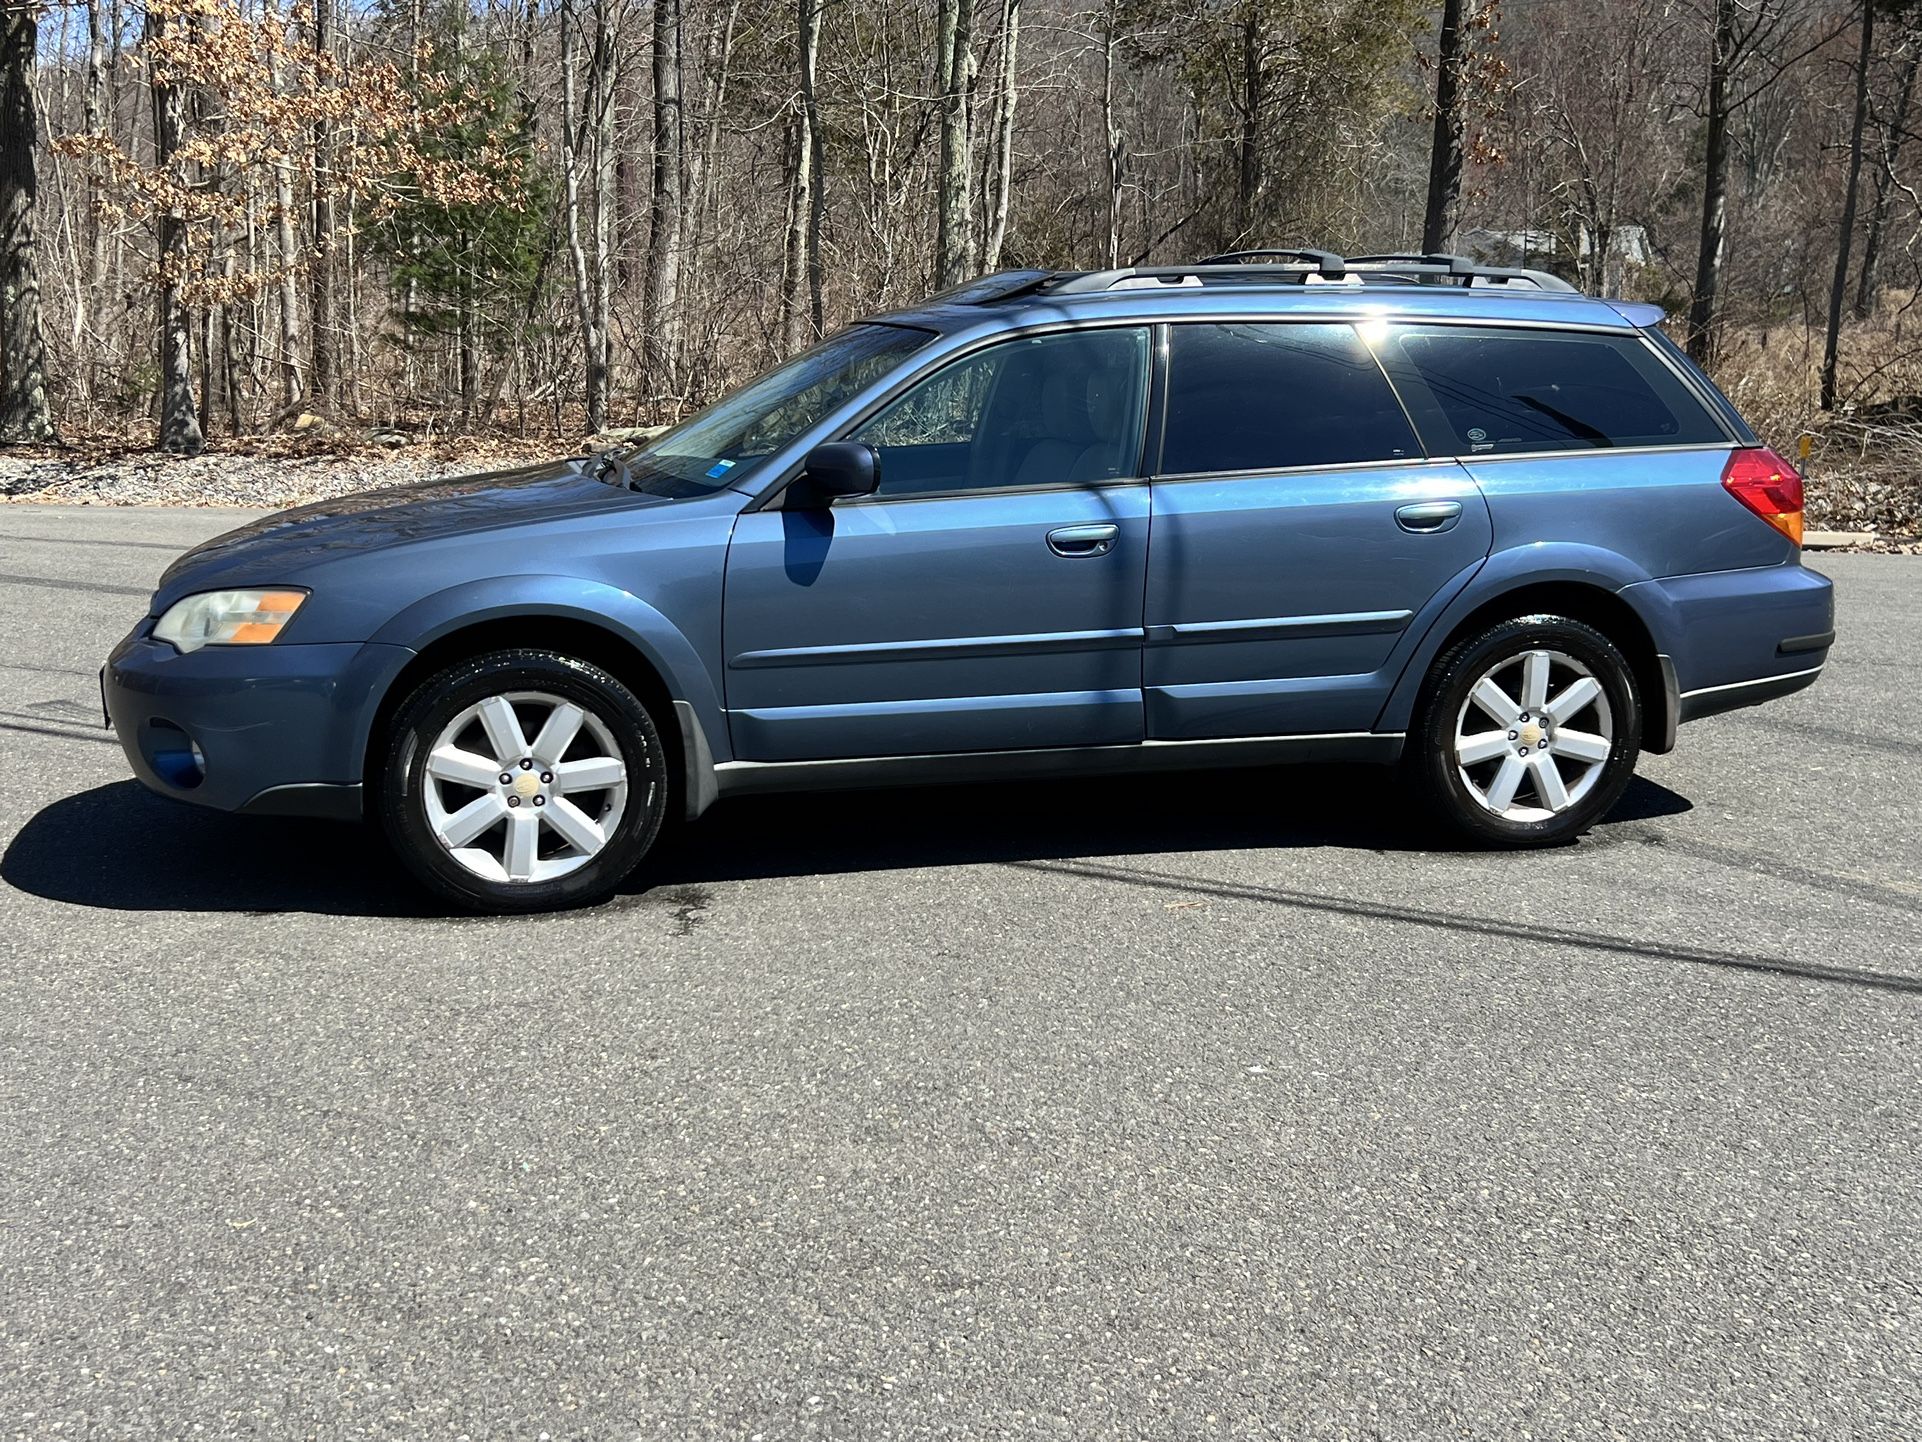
{"type": "Point", "coordinates": [119, 846]}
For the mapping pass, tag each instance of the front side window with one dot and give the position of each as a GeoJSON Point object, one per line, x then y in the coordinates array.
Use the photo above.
{"type": "Point", "coordinates": [1480, 391]}
{"type": "Point", "coordinates": [1270, 397]}
{"type": "Point", "coordinates": [728, 441]}
{"type": "Point", "coordinates": [1050, 410]}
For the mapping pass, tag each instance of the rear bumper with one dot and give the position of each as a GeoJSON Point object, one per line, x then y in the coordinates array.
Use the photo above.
{"type": "Point", "coordinates": [1737, 638]}
{"type": "Point", "coordinates": [269, 730]}
{"type": "Point", "coordinates": [1713, 700]}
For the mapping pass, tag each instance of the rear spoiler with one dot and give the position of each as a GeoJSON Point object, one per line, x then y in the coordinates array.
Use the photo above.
{"type": "Point", "coordinates": [1637, 313]}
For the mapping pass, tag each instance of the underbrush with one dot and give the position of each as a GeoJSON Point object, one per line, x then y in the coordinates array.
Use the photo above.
{"type": "Point", "coordinates": [1863, 460]}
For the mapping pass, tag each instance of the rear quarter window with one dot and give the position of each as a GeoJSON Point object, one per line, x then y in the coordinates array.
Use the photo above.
{"type": "Point", "coordinates": [1476, 391]}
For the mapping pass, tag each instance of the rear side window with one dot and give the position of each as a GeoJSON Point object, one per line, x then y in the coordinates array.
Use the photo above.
{"type": "Point", "coordinates": [1267, 397]}
{"type": "Point", "coordinates": [1478, 391]}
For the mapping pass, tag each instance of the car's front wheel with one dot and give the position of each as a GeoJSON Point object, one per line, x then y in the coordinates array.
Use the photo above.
{"type": "Point", "coordinates": [523, 780]}
{"type": "Point", "coordinates": [1528, 731]}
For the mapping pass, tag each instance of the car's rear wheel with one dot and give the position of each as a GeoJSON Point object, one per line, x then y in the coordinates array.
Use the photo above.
{"type": "Point", "coordinates": [523, 780]}
{"type": "Point", "coordinates": [1527, 732]}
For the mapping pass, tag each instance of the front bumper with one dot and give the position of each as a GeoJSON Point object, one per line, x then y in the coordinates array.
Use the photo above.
{"type": "Point", "coordinates": [275, 729]}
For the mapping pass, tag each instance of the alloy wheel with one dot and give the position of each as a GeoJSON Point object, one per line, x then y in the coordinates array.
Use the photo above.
{"type": "Point", "coordinates": [524, 787]}
{"type": "Point", "coordinates": [1534, 736]}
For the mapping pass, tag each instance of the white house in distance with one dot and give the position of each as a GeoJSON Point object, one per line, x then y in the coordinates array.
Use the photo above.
{"type": "Point", "coordinates": [1627, 246]}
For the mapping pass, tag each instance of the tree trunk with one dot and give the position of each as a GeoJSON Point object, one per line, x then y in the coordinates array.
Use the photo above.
{"type": "Point", "coordinates": [607, 199]}
{"type": "Point", "coordinates": [800, 205]}
{"type": "Point", "coordinates": [1111, 138]}
{"type": "Point", "coordinates": [573, 127]}
{"type": "Point", "coordinates": [179, 422]}
{"type": "Point", "coordinates": [1891, 150]}
{"type": "Point", "coordinates": [1714, 237]}
{"type": "Point", "coordinates": [293, 384]}
{"type": "Point", "coordinates": [93, 121]}
{"type": "Point", "coordinates": [321, 277]}
{"type": "Point", "coordinates": [1445, 152]}
{"type": "Point", "coordinates": [817, 164]}
{"type": "Point", "coordinates": [1005, 97]}
{"type": "Point", "coordinates": [1839, 287]}
{"type": "Point", "coordinates": [1248, 168]}
{"type": "Point", "coordinates": [24, 412]}
{"type": "Point", "coordinates": [660, 346]}
{"type": "Point", "coordinates": [954, 235]}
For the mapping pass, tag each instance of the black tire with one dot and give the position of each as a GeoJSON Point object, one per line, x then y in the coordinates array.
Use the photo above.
{"type": "Point", "coordinates": [402, 804]}
{"type": "Point", "coordinates": [1429, 757]}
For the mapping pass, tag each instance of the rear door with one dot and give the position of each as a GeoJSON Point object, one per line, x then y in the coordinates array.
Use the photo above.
{"type": "Point", "coordinates": [1584, 436]}
{"type": "Point", "coordinates": [987, 597]}
{"type": "Point", "coordinates": [1299, 533]}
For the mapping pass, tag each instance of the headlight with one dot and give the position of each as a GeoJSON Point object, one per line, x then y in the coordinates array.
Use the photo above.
{"type": "Point", "coordinates": [228, 618]}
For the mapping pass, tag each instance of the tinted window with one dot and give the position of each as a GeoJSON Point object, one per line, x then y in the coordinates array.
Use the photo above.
{"type": "Point", "coordinates": [1261, 397]}
{"type": "Point", "coordinates": [1048, 410]}
{"type": "Point", "coordinates": [1483, 392]}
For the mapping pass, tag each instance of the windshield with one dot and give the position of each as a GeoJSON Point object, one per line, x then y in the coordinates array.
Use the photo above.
{"type": "Point", "coordinates": [728, 441]}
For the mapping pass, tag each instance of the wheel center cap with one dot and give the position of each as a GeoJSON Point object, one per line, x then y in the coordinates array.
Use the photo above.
{"type": "Point", "coordinates": [527, 786]}
{"type": "Point", "coordinates": [1531, 734]}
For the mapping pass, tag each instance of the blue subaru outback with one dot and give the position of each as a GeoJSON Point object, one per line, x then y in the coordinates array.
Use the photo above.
{"type": "Point", "coordinates": [1277, 506]}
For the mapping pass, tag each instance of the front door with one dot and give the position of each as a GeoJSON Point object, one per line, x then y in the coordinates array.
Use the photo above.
{"type": "Point", "coordinates": [988, 595]}
{"type": "Point", "coordinates": [1298, 533]}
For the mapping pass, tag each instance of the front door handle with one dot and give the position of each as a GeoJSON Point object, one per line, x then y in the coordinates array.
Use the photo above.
{"type": "Point", "coordinates": [1083, 540]}
{"type": "Point", "coordinates": [1425, 517]}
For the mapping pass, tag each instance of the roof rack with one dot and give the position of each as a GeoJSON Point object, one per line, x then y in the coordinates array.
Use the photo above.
{"type": "Point", "coordinates": [1301, 267]}
{"type": "Point", "coordinates": [1330, 264]}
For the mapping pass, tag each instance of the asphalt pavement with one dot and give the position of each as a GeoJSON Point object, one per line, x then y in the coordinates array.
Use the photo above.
{"type": "Point", "coordinates": [1134, 1108]}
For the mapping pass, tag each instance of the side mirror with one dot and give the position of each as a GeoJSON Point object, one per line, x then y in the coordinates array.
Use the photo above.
{"type": "Point", "coordinates": [841, 468]}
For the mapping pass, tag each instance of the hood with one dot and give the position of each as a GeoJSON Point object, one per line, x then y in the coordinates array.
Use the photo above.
{"type": "Point", "coordinates": [277, 548]}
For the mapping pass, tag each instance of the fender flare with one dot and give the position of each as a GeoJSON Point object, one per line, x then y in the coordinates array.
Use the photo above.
{"type": "Point", "coordinates": [1520, 567]}
{"type": "Point", "coordinates": [687, 677]}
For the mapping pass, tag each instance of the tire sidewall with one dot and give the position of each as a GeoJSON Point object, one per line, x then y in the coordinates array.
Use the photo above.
{"type": "Point", "coordinates": [1455, 677]}
{"type": "Point", "coordinates": [441, 697]}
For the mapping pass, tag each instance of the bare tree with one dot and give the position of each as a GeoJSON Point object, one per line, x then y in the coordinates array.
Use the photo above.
{"type": "Point", "coordinates": [1839, 287]}
{"type": "Point", "coordinates": [24, 412]}
{"type": "Point", "coordinates": [1445, 152]}
{"type": "Point", "coordinates": [1714, 230]}
{"type": "Point", "coordinates": [1001, 173]}
{"type": "Point", "coordinates": [1894, 132]}
{"type": "Point", "coordinates": [179, 422]}
{"type": "Point", "coordinates": [662, 305]}
{"type": "Point", "coordinates": [802, 184]}
{"type": "Point", "coordinates": [809, 45]}
{"type": "Point", "coordinates": [588, 120]}
{"type": "Point", "coordinates": [93, 120]}
{"type": "Point", "coordinates": [1114, 145]}
{"type": "Point", "coordinates": [955, 68]}
{"type": "Point", "coordinates": [293, 382]}
{"type": "Point", "coordinates": [321, 273]}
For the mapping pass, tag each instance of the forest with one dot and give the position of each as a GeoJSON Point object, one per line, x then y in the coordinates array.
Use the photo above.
{"type": "Point", "coordinates": [560, 219]}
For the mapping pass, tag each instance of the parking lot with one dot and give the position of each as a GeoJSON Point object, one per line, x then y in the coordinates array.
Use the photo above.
{"type": "Point", "coordinates": [1147, 1108]}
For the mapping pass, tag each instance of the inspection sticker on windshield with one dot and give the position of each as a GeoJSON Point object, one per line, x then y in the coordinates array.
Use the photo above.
{"type": "Point", "coordinates": [719, 469]}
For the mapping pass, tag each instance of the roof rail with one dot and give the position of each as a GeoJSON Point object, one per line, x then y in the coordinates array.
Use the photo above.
{"type": "Point", "coordinates": [1311, 266]}
{"type": "Point", "coordinates": [1330, 264]}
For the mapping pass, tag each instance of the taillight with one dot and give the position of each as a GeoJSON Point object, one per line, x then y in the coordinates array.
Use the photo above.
{"type": "Point", "coordinates": [1768, 486]}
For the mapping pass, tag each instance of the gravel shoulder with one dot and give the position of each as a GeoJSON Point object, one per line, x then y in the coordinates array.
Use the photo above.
{"type": "Point", "coordinates": [248, 479]}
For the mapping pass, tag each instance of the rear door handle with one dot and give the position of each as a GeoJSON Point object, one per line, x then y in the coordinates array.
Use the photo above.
{"type": "Point", "coordinates": [1429, 516]}
{"type": "Point", "coordinates": [1083, 540]}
